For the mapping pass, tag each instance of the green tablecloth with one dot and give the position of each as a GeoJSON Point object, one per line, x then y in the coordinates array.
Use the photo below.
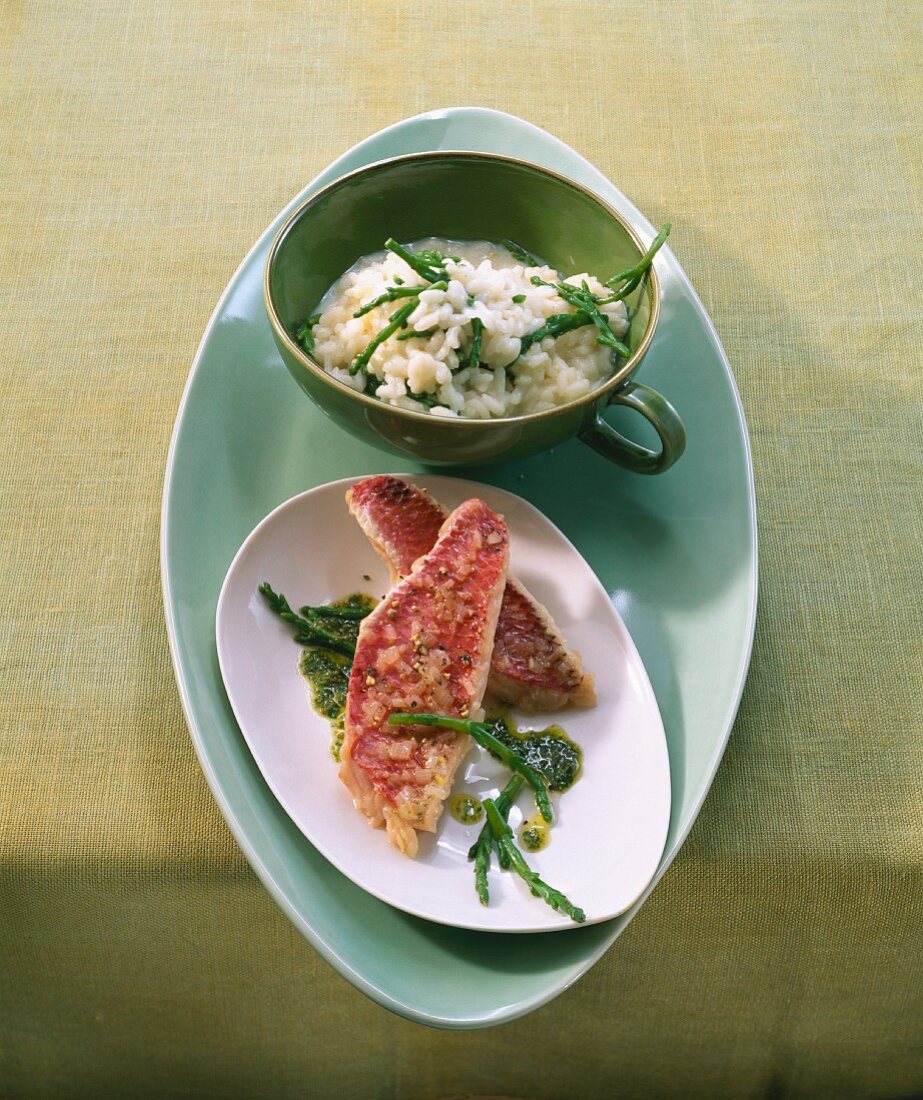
{"type": "Point", "coordinates": [145, 147]}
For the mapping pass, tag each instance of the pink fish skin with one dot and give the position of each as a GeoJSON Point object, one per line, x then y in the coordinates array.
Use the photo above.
{"type": "Point", "coordinates": [532, 667]}
{"type": "Point", "coordinates": [425, 647]}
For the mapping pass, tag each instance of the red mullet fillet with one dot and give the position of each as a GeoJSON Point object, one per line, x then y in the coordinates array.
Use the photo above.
{"type": "Point", "coordinates": [532, 666]}
{"type": "Point", "coordinates": [426, 647]}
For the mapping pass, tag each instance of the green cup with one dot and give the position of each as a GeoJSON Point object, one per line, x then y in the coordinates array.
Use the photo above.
{"type": "Point", "coordinates": [467, 196]}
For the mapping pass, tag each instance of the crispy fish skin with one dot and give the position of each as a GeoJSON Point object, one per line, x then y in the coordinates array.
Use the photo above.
{"type": "Point", "coordinates": [426, 647]}
{"type": "Point", "coordinates": [532, 666]}
{"type": "Point", "coordinates": [401, 521]}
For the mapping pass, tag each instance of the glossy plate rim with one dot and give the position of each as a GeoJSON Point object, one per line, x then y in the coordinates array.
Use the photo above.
{"type": "Point", "coordinates": [276, 888]}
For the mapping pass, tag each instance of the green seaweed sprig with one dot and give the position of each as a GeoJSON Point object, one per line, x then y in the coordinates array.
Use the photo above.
{"type": "Point", "coordinates": [631, 277]}
{"type": "Point", "coordinates": [398, 320]}
{"type": "Point", "coordinates": [427, 263]}
{"type": "Point", "coordinates": [496, 833]}
{"type": "Point", "coordinates": [555, 325]}
{"type": "Point", "coordinates": [525, 257]}
{"type": "Point", "coordinates": [342, 612]}
{"type": "Point", "coordinates": [484, 736]}
{"type": "Point", "coordinates": [304, 333]}
{"type": "Point", "coordinates": [391, 295]}
{"type": "Point", "coordinates": [506, 847]}
{"type": "Point", "coordinates": [310, 631]}
{"type": "Point", "coordinates": [480, 850]}
{"type": "Point", "coordinates": [473, 356]}
{"type": "Point", "coordinates": [587, 312]}
{"type": "Point", "coordinates": [586, 304]}
{"type": "Point", "coordinates": [417, 334]}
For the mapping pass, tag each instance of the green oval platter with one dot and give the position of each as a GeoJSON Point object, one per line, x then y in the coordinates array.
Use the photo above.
{"type": "Point", "coordinates": [676, 552]}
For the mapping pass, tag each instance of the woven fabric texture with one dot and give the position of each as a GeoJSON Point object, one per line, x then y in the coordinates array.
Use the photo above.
{"type": "Point", "coordinates": [145, 147]}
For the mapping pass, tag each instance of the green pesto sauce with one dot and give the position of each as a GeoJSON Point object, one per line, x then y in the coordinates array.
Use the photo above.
{"type": "Point", "coordinates": [327, 674]}
{"type": "Point", "coordinates": [549, 751]}
{"type": "Point", "coordinates": [327, 671]}
{"type": "Point", "coordinates": [535, 833]}
{"type": "Point", "coordinates": [342, 630]}
{"type": "Point", "coordinates": [357, 600]}
{"type": "Point", "coordinates": [466, 808]}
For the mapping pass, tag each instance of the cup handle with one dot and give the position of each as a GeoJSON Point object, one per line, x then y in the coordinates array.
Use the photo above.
{"type": "Point", "coordinates": [655, 408]}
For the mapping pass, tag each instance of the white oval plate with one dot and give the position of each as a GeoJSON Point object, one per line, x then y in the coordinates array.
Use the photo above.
{"type": "Point", "coordinates": [611, 826]}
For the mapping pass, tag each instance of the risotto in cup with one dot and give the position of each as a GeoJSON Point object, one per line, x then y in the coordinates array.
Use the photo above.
{"type": "Point", "coordinates": [404, 303]}
{"type": "Point", "coordinates": [489, 336]}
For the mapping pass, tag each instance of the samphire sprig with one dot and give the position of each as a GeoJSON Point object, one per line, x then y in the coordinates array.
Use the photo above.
{"type": "Point", "coordinates": [310, 626]}
{"type": "Point", "coordinates": [427, 263]}
{"type": "Point", "coordinates": [473, 356]}
{"type": "Point", "coordinates": [523, 255]}
{"type": "Point", "coordinates": [506, 846]}
{"type": "Point", "coordinates": [587, 308]}
{"type": "Point", "coordinates": [481, 848]}
{"type": "Point", "coordinates": [586, 304]}
{"type": "Point", "coordinates": [555, 325]}
{"type": "Point", "coordinates": [496, 832]}
{"type": "Point", "coordinates": [342, 612]}
{"type": "Point", "coordinates": [391, 295]}
{"type": "Point", "coordinates": [398, 320]}
{"type": "Point", "coordinates": [483, 734]}
{"type": "Point", "coordinates": [304, 333]}
{"type": "Point", "coordinates": [633, 275]}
